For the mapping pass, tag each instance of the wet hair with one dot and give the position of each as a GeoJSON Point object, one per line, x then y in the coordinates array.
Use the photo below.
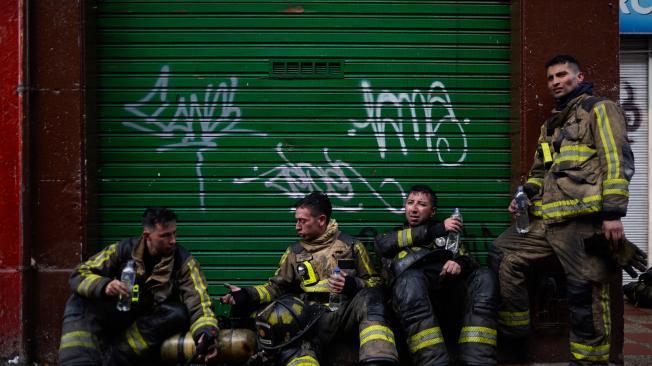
{"type": "Point", "coordinates": [424, 189]}
{"type": "Point", "coordinates": [157, 215]}
{"type": "Point", "coordinates": [564, 59]}
{"type": "Point", "coordinates": [318, 204]}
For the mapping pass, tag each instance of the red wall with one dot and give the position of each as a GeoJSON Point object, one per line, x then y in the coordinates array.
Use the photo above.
{"type": "Point", "coordinates": [12, 330]}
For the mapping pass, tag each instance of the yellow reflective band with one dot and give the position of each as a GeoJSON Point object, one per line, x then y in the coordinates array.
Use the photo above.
{"type": "Point", "coordinates": [321, 286]}
{"type": "Point", "coordinates": [280, 263]}
{"type": "Point", "coordinates": [617, 192]}
{"type": "Point", "coordinates": [263, 294]}
{"type": "Point", "coordinates": [577, 153]}
{"type": "Point", "coordinates": [606, 313]}
{"type": "Point", "coordinates": [425, 338]}
{"type": "Point", "coordinates": [536, 181]}
{"type": "Point", "coordinates": [364, 257]}
{"type": "Point", "coordinates": [376, 332]}
{"type": "Point", "coordinates": [547, 154]}
{"type": "Point", "coordinates": [572, 207]}
{"type": "Point", "coordinates": [200, 288]}
{"type": "Point", "coordinates": [201, 322]}
{"type": "Point", "coordinates": [537, 209]}
{"type": "Point", "coordinates": [402, 254]}
{"type": "Point", "coordinates": [607, 138]}
{"type": "Point", "coordinates": [312, 277]}
{"type": "Point", "coordinates": [478, 335]}
{"type": "Point", "coordinates": [97, 261]}
{"type": "Point", "coordinates": [303, 361]}
{"type": "Point", "coordinates": [515, 318]}
{"type": "Point", "coordinates": [135, 339]}
{"type": "Point", "coordinates": [85, 285]}
{"type": "Point", "coordinates": [590, 353]}
{"type": "Point", "coordinates": [401, 238]}
{"type": "Point", "coordinates": [78, 339]}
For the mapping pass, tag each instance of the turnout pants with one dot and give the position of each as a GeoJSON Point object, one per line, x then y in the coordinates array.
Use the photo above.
{"type": "Point", "coordinates": [95, 333]}
{"type": "Point", "coordinates": [587, 283]}
{"type": "Point", "coordinates": [364, 314]}
{"type": "Point", "coordinates": [438, 311]}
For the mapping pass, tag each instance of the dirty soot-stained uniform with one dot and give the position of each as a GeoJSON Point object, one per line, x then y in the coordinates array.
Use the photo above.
{"type": "Point", "coordinates": [435, 311]}
{"type": "Point", "coordinates": [580, 177]}
{"type": "Point", "coordinates": [170, 298]}
{"type": "Point", "coordinates": [304, 270]}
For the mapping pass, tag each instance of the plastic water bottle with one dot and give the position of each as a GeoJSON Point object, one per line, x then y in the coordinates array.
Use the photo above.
{"type": "Point", "coordinates": [522, 217]}
{"type": "Point", "coordinates": [128, 277]}
{"type": "Point", "coordinates": [335, 299]}
{"type": "Point", "coordinates": [453, 239]}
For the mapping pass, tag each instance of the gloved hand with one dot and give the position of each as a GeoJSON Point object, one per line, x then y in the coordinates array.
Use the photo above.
{"type": "Point", "coordinates": [206, 345]}
{"type": "Point", "coordinates": [629, 256]}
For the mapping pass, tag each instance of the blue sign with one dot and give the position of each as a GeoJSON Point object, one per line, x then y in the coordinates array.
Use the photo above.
{"type": "Point", "coordinates": [636, 16]}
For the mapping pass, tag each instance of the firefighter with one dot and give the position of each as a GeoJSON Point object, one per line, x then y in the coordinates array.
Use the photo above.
{"type": "Point", "coordinates": [578, 185]}
{"type": "Point", "coordinates": [307, 270]}
{"type": "Point", "coordinates": [441, 295]}
{"type": "Point", "coordinates": [169, 296]}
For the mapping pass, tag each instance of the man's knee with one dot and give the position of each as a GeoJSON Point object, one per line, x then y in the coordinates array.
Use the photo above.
{"type": "Point", "coordinates": [411, 295]}
{"type": "Point", "coordinates": [483, 289]}
{"type": "Point", "coordinates": [372, 301]}
{"type": "Point", "coordinates": [170, 316]}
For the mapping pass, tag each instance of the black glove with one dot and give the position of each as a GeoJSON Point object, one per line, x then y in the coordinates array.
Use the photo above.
{"type": "Point", "coordinates": [629, 255]}
{"type": "Point", "coordinates": [243, 306]}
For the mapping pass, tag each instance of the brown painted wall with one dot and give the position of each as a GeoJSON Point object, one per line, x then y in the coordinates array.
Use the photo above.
{"type": "Point", "coordinates": [60, 125]}
{"type": "Point", "coordinates": [587, 29]}
{"type": "Point", "coordinates": [58, 172]}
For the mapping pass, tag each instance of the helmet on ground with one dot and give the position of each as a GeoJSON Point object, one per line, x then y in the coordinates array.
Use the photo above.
{"type": "Point", "coordinates": [284, 321]}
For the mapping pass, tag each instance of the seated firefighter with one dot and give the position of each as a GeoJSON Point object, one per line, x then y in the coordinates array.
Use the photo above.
{"type": "Point", "coordinates": [440, 294]}
{"type": "Point", "coordinates": [307, 269]}
{"type": "Point", "coordinates": [169, 296]}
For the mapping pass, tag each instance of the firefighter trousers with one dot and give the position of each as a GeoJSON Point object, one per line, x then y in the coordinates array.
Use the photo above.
{"type": "Point", "coordinates": [587, 278]}
{"type": "Point", "coordinates": [364, 314]}
{"type": "Point", "coordinates": [438, 311]}
{"type": "Point", "coordinates": [95, 333]}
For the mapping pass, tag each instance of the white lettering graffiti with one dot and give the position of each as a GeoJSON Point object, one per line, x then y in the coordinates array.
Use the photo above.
{"type": "Point", "coordinates": [297, 179]}
{"type": "Point", "coordinates": [194, 123]}
{"type": "Point", "coordinates": [386, 101]}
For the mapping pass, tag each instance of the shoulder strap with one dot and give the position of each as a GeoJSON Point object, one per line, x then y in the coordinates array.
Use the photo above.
{"type": "Point", "coordinates": [590, 102]}
{"type": "Point", "coordinates": [296, 247]}
{"type": "Point", "coordinates": [180, 257]}
{"type": "Point", "coordinates": [346, 238]}
{"type": "Point", "coordinates": [126, 247]}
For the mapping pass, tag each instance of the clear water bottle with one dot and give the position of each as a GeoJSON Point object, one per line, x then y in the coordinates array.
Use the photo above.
{"type": "Point", "coordinates": [522, 217]}
{"type": "Point", "coordinates": [453, 239]}
{"type": "Point", "coordinates": [128, 277]}
{"type": "Point", "coordinates": [335, 299]}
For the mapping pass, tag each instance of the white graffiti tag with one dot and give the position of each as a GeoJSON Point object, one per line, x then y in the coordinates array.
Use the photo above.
{"type": "Point", "coordinates": [394, 104]}
{"type": "Point", "coordinates": [296, 179]}
{"type": "Point", "coordinates": [196, 121]}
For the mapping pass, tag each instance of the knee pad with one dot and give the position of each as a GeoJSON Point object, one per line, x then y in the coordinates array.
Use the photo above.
{"type": "Point", "coordinates": [580, 303]}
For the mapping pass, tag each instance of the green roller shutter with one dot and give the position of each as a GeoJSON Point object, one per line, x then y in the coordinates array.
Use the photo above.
{"type": "Point", "coordinates": [227, 111]}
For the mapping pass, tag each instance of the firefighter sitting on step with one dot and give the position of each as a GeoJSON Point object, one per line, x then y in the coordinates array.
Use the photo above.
{"type": "Point", "coordinates": [169, 296]}
{"type": "Point", "coordinates": [440, 294]}
{"type": "Point", "coordinates": [307, 269]}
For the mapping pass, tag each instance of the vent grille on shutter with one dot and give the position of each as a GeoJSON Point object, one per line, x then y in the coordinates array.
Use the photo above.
{"type": "Point", "coordinates": [307, 69]}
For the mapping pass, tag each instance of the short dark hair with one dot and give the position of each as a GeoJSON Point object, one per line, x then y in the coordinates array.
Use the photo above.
{"type": "Point", "coordinates": [563, 59]}
{"type": "Point", "coordinates": [158, 215]}
{"type": "Point", "coordinates": [318, 203]}
{"type": "Point", "coordinates": [424, 189]}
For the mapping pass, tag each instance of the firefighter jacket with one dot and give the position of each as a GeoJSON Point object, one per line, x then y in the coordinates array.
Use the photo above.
{"type": "Point", "coordinates": [305, 267]}
{"type": "Point", "coordinates": [407, 246]}
{"type": "Point", "coordinates": [175, 277]}
{"type": "Point", "coordinates": [583, 163]}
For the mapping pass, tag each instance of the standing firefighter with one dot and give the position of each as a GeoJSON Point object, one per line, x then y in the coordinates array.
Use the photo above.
{"type": "Point", "coordinates": [441, 296]}
{"type": "Point", "coordinates": [578, 185]}
{"type": "Point", "coordinates": [307, 270]}
{"type": "Point", "coordinates": [169, 297]}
